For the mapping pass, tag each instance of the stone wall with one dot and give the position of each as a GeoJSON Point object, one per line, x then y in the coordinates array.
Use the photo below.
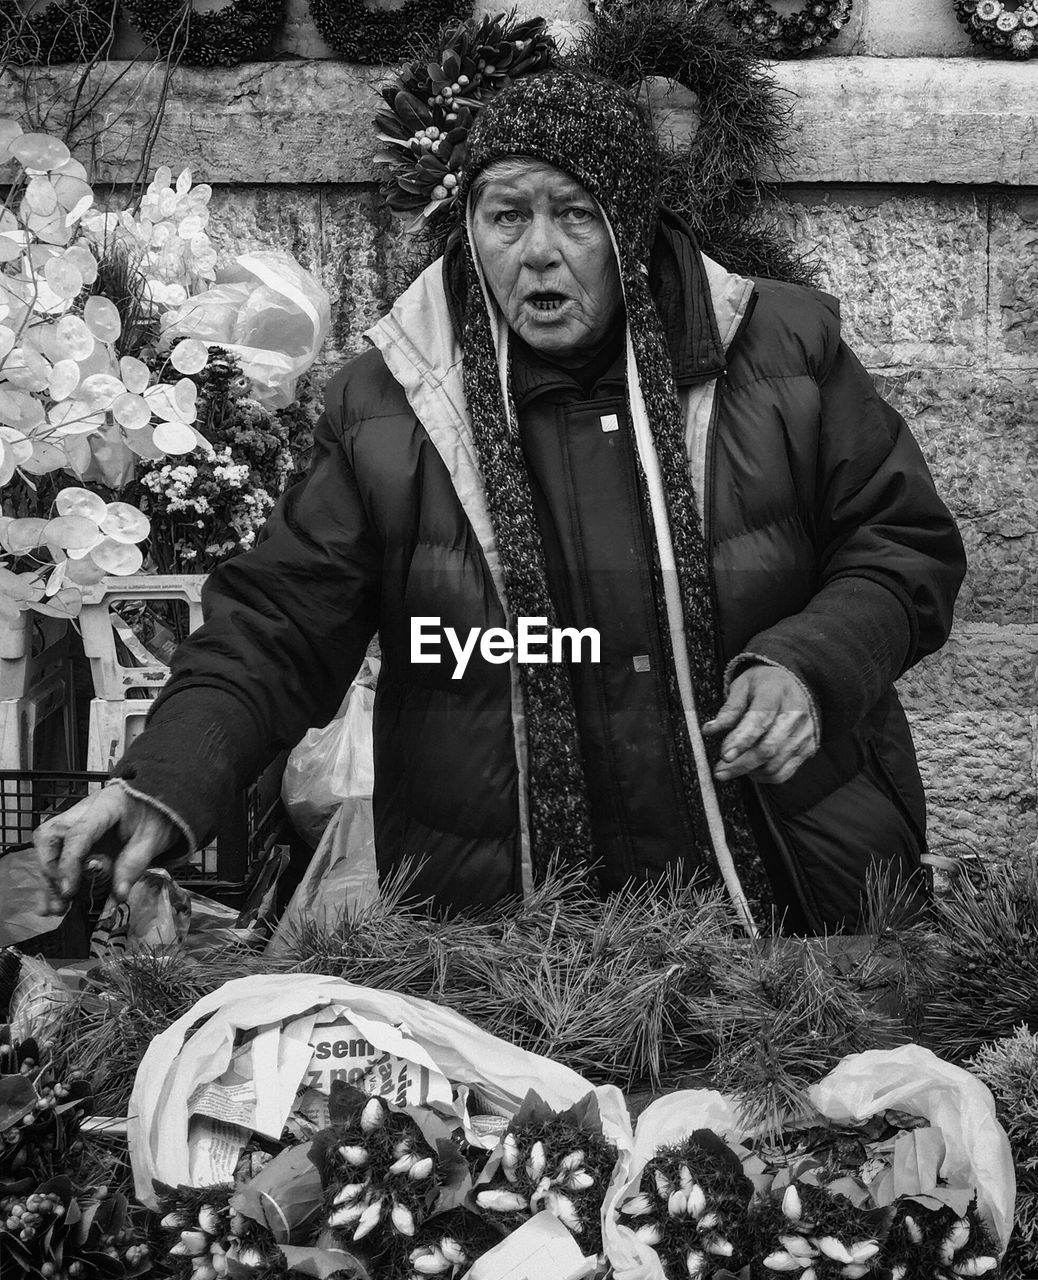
{"type": "Point", "coordinates": [914, 180]}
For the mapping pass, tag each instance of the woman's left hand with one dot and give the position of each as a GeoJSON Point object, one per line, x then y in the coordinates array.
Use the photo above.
{"type": "Point", "coordinates": [769, 726]}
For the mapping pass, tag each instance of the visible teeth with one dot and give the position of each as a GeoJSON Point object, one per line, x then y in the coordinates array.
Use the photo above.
{"type": "Point", "coordinates": [535, 1162]}
{"type": "Point", "coordinates": [402, 1219]}
{"type": "Point", "coordinates": [350, 1192]}
{"type": "Point", "coordinates": [677, 1203]}
{"type": "Point", "coordinates": [791, 1206]}
{"type": "Point", "coordinates": [696, 1200]}
{"type": "Point", "coordinates": [501, 1201]}
{"type": "Point", "coordinates": [357, 1156]}
{"type": "Point", "coordinates": [421, 1169]}
{"type": "Point", "coordinates": [373, 1115]}
{"type": "Point", "coordinates": [510, 1157]}
{"type": "Point", "coordinates": [649, 1233]}
{"type": "Point", "coordinates": [835, 1249]}
{"type": "Point", "coordinates": [638, 1205]}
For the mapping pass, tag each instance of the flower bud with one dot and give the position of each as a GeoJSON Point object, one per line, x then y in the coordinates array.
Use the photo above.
{"type": "Point", "coordinates": [194, 1242]}
{"type": "Point", "coordinates": [421, 1169]}
{"type": "Point", "coordinates": [369, 1219]}
{"type": "Point", "coordinates": [835, 1249]}
{"type": "Point", "coordinates": [637, 1206]}
{"type": "Point", "coordinates": [535, 1162]}
{"type": "Point", "coordinates": [209, 1220]}
{"type": "Point", "coordinates": [350, 1192]}
{"type": "Point", "coordinates": [509, 1156]}
{"type": "Point", "coordinates": [402, 1219]}
{"type": "Point", "coordinates": [175, 1221]}
{"type": "Point", "coordinates": [780, 1260]}
{"type": "Point", "coordinates": [357, 1156]}
{"type": "Point", "coordinates": [663, 1184]}
{"type": "Point", "coordinates": [373, 1116]}
{"type": "Point", "coordinates": [677, 1204]}
{"type": "Point", "coordinates": [976, 1266]}
{"type": "Point", "coordinates": [571, 1162]}
{"type": "Point", "coordinates": [649, 1233]}
{"type": "Point", "coordinates": [565, 1210]}
{"type": "Point", "coordinates": [403, 1165]}
{"type": "Point", "coordinates": [453, 1252]}
{"type": "Point", "coordinates": [791, 1206]}
{"type": "Point", "coordinates": [432, 1263]}
{"type": "Point", "coordinates": [498, 1201]}
{"type": "Point", "coordinates": [696, 1264]}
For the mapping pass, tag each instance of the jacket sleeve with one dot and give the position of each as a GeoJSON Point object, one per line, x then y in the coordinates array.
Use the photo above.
{"type": "Point", "coordinates": [286, 628]}
{"type": "Point", "coordinates": [890, 557]}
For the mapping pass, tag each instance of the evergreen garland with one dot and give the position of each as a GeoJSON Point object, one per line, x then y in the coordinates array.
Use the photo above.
{"type": "Point", "coordinates": [362, 34]}
{"type": "Point", "coordinates": [64, 31]}
{"type": "Point", "coordinates": [744, 120]}
{"type": "Point", "coordinates": [236, 33]}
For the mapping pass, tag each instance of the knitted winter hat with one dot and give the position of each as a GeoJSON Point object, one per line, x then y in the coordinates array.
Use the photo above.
{"type": "Point", "coordinates": [593, 130]}
{"type": "Point", "coordinates": [590, 128]}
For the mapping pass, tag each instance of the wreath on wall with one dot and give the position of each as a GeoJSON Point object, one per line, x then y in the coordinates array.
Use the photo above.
{"type": "Point", "coordinates": [361, 34]}
{"type": "Point", "coordinates": [788, 35]}
{"type": "Point", "coordinates": [1000, 26]}
{"type": "Point", "coordinates": [224, 37]}
{"type": "Point", "coordinates": [64, 31]}
{"type": "Point", "coordinates": [432, 105]}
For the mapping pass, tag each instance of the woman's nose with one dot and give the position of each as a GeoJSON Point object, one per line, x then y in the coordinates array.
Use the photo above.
{"type": "Point", "coordinates": [540, 244]}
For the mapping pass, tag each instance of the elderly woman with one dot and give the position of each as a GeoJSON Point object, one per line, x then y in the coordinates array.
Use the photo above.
{"type": "Point", "coordinates": [575, 417]}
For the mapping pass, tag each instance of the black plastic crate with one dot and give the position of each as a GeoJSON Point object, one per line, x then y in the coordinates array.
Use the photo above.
{"type": "Point", "coordinates": [252, 823]}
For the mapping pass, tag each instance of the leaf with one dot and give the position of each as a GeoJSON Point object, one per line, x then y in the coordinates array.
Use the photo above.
{"type": "Point", "coordinates": [284, 1195]}
{"type": "Point", "coordinates": [17, 1097]}
{"type": "Point", "coordinates": [322, 1263]}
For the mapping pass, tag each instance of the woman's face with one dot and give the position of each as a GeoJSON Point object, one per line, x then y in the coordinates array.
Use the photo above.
{"type": "Point", "coordinates": [548, 259]}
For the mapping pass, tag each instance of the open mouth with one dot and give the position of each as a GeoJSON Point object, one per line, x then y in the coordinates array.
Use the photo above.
{"type": "Point", "coordinates": [546, 301]}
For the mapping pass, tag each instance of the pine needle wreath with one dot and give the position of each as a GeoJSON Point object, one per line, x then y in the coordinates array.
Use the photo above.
{"type": "Point", "coordinates": [359, 33]}
{"type": "Point", "coordinates": [432, 105]}
{"type": "Point", "coordinates": [1000, 26]}
{"type": "Point", "coordinates": [64, 31]}
{"type": "Point", "coordinates": [224, 37]}
{"type": "Point", "coordinates": [744, 121]}
{"type": "Point", "coordinates": [791, 34]}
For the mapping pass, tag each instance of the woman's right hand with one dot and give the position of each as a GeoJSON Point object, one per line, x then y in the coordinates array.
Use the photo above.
{"type": "Point", "coordinates": [112, 827]}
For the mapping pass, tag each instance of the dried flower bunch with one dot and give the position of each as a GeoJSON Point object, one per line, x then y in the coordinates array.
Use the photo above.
{"type": "Point", "coordinates": [561, 1162]}
{"type": "Point", "coordinates": [1004, 26]}
{"type": "Point", "coordinates": [432, 106]}
{"type": "Point", "coordinates": [236, 32]}
{"type": "Point", "coordinates": [363, 33]}
{"type": "Point", "coordinates": [206, 1239]}
{"type": "Point", "coordinates": [788, 35]}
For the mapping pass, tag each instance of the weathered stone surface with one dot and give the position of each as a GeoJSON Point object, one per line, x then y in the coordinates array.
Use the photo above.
{"type": "Point", "coordinates": [972, 712]}
{"type": "Point", "coordinates": [977, 430]}
{"type": "Point", "coordinates": [856, 119]}
{"type": "Point", "coordinates": [896, 29]}
{"type": "Point", "coordinates": [1013, 317]}
{"type": "Point", "coordinates": [909, 268]}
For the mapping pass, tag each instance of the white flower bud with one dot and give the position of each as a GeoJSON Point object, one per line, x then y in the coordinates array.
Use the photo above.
{"type": "Point", "coordinates": [780, 1260]}
{"type": "Point", "coordinates": [791, 1206]}
{"type": "Point", "coordinates": [913, 1230]}
{"type": "Point", "coordinates": [565, 1210]}
{"type": "Point", "coordinates": [720, 1247]}
{"type": "Point", "coordinates": [209, 1220]}
{"type": "Point", "coordinates": [175, 1221]}
{"type": "Point", "coordinates": [373, 1116]}
{"type": "Point", "coordinates": [649, 1233]}
{"type": "Point", "coordinates": [498, 1201]}
{"type": "Point", "coordinates": [356, 1156]}
{"type": "Point", "coordinates": [194, 1242]}
{"type": "Point", "coordinates": [581, 1180]}
{"type": "Point", "coordinates": [350, 1192]}
{"type": "Point", "coordinates": [535, 1162]}
{"type": "Point", "coordinates": [453, 1252]}
{"type": "Point", "coordinates": [856, 1270]}
{"type": "Point", "coordinates": [696, 1200]}
{"type": "Point", "coordinates": [432, 1263]}
{"type": "Point", "coordinates": [250, 1256]}
{"type": "Point", "coordinates": [954, 1240]}
{"type": "Point", "coordinates": [369, 1219]}
{"type": "Point", "coordinates": [637, 1206]}
{"type": "Point", "coordinates": [798, 1246]}
{"type": "Point", "coordinates": [696, 1264]}
{"type": "Point", "coordinates": [421, 1169]}
{"type": "Point", "coordinates": [677, 1203]}
{"type": "Point", "coordinates": [864, 1250]}
{"type": "Point", "coordinates": [976, 1266]}
{"type": "Point", "coordinates": [663, 1184]}
{"type": "Point", "coordinates": [568, 1164]}
{"type": "Point", "coordinates": [404, 1164]}
{"type": "Point", "coordinates": [402, 1219]}
{"type": "Point", "coordinates": [509, 1157]}
{"type": "Point", "coordinates": [835, 1249]}
{"type": "Point", "coordinates": [346, 1216]}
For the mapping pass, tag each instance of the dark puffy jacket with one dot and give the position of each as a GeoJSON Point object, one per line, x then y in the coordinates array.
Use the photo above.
{"type": "Point", "coordinates": [832, 555]}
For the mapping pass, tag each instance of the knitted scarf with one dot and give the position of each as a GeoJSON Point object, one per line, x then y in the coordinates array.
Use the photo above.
{"type": "Point", "coordinates": [593, 131]}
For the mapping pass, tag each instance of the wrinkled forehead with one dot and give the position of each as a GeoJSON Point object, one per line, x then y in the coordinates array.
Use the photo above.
{"type": "Point", "coordinates": [525, 176]}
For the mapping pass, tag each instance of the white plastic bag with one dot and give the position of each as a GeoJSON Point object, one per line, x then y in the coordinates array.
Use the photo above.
{"type": "Point", "coordinates": [269, 312]}
{"type": "Point", "coordinates": [335, 763]}
{"type": "Point", "coordinates": [281, 1010]}
{"type": "Point", "coordinates": [667, 1120]}
{"type": "Point", "coordinates": [977, 1156]}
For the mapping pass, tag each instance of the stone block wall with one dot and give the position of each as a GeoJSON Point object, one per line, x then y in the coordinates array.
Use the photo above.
{"type": "Point", "coordinates": [914, 182]}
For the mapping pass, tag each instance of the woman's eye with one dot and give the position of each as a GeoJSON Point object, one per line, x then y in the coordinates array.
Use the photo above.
{"type": "Point", "coordinates": [577, 214]}
{"type": "Point", "coordinates": [508, 216]}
